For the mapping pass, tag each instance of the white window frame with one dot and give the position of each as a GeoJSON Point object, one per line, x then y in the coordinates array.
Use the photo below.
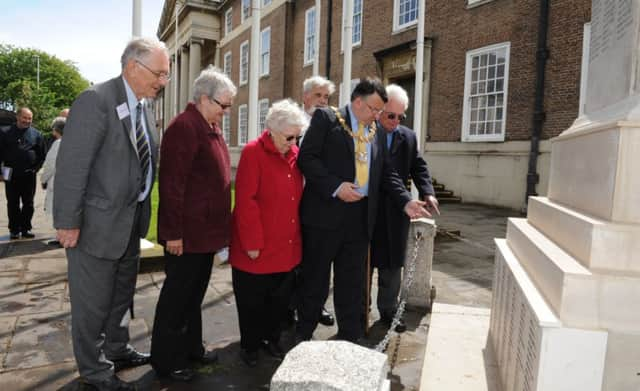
{"type": "Point", "coordinates": [226, 127]}
{"type": "Point", "coordinates": [263, 108]}
{"type": "Point", "coordinates": [243, 124]}
{"type": "Point", "coordinates": [227, 64]}
{"type": "Point", "coordinates": [265, 53]}
{"type": "Point", "coordinates": [244, 63]}
{"type": "Point", "coordinates": [228, 21]}
{"type": "Point", "coordinates": [355, 15]}
{"type": "Point", "coordinates": [482, 89]}
{"type": "Point", "coordinates": [245, 11]}
{"type": "Point", "coordinates": [309, 36]}
{"type": "Point", "coordinates": [396, 16]}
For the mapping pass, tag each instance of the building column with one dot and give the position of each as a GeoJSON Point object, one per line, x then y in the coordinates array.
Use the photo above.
{"type": "Point", "coordinates": [184, 79]}
{"type": "Point", "coordinates": [195, 62]}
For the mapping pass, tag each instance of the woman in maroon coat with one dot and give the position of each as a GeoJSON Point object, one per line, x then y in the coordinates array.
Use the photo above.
{"type": "Point", "coordinates": [194, 219]}
{"type": "Point", "coordinates": [266, 242]}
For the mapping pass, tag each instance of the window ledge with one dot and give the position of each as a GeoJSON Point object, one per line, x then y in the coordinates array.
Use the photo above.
{"type": "Point", "coordinates": [406, 27]}
{"type": "Point", "coordinates": [477, 3]}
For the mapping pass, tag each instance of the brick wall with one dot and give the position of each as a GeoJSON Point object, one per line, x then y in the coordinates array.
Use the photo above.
{"type": "Point", "coordinates": [455, 30]}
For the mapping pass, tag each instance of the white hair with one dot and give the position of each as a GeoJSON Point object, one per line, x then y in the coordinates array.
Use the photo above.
{"type": "Point", "coordinates": [318, 81]}
{"type": "Point", "coordinates": [213, 83]}
{"type": "Point", "coordinates": [398, 93]}
{"type": "Point", "coordinates": [140, 49]}
{"type": "Point", "coordinates": [284, 114]}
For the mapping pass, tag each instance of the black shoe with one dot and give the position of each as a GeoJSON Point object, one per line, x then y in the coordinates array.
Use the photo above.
{"type": "Point", "coordinates": [28, 235]}
{"type": "Point", "coordinates": [14, 236]}
{"type": "Point", "coordinates": [401, 327]}
{"type": "Point", "coordinates": [249, 357]}
{"type": "Point", "coordinates": [326, 318]}
{"type": "Point", "coordinates": [182, 375]}
{"type": "Point", "coordinates": [132, 359]}
{"type": "Point", "coordinates": [208, 358]}
{"type": "Point", "coordinates": [274, 349]}
{"type": "Point", "coordinates": [112, 383]}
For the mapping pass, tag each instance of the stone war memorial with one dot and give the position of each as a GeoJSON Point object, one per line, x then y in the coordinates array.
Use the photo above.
{"type": "Point", "coordinates": [566, 292]}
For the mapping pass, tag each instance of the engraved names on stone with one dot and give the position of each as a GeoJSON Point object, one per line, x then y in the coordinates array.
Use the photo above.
{"type": "Point", "coordinates": [612, 34]}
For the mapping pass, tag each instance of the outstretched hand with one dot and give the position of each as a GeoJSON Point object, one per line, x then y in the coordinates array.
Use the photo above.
{"type": "Point", "coordinates": [416, 209]}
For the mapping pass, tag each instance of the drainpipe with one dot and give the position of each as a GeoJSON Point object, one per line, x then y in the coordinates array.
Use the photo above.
{"type": "Point", "coordinates": [254, 68]}
{"type": "Point", "coordinates": [316, 54]}
{"type": "Point", "coordinates": [542, 53]}
{"type": "Point", "coordinates": [347, 44]}
{"type": "Point", "coordinates": [328, 49]}
{"type": "Point", "coordinates": [419, 82]}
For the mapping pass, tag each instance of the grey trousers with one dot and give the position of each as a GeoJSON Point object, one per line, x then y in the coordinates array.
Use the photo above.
{"type": "Point", "coordinates": [388, 290]}
{"type": "Point", "coordinates": [101, 292]}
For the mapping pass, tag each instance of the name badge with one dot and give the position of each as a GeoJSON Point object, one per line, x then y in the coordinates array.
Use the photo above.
{"type": "Point", "coordinates": [123, 111]}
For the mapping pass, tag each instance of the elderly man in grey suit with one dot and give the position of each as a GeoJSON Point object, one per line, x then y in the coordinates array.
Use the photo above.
{"type": "Point", "coordinates": [104, 175]}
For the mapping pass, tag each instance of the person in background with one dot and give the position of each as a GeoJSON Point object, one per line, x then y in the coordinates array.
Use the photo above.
{"type": "Point", "coordinates": [316, 91]}
{"type": "Point", "coordinates": [194, 216]}
{"type": "Point", "coordinates": [389, 243]}
{"type": "Point", "coordinates": [102, 207]}
{"type": "Point", "coordinates": [344, 171]}
{"type": "Point", "coordinates": [266, 244]}
{"type": "Point", "coordinates": [49, 167]}
{"type": "Point", "coordinates": [21, 155]}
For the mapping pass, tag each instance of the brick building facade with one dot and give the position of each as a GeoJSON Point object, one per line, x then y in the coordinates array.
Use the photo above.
{"type": "Point", "coordinates": [479, 74]}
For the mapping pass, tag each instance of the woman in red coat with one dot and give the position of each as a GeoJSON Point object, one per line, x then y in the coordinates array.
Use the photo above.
{"type": "Point", "coordinates": [194, 222]}
{"type": "Point", "coordinates": [266, 241]}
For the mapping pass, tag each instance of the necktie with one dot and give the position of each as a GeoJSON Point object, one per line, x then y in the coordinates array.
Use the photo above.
{"type": "Point", "coordinates": [143, 147]}
{"type": "Point", "coordinates": [362, 163]}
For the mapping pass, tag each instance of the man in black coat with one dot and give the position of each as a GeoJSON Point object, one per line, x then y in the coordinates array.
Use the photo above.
{"type": "Point", "coordinates": [344, 170]}
{"type": "Point", "coordinates": [389, 244]}
{"type": "Point", "coordinates": [22, 154]}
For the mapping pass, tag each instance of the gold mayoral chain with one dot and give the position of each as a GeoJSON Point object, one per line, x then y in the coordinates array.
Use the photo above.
{"type": "Point", "coordinates": [361, 155]}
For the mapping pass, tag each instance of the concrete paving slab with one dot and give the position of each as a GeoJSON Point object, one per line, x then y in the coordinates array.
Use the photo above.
{"type": "Point", "coordinates": [47, 378]}
{"type": "Point", "coordinates": [7, 325]}
{"type": "Point", "coordinates": [11, 265]}
{"type": "Point", "coordinates": [40, 340]}
{"type": "Point", "coordinates": [31, 303]}
{"type": "Point", "coordinates": [456, 357]}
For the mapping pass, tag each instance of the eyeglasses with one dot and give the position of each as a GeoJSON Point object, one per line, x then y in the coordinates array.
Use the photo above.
{"type": "Point", "coordinates": [223, 106]}
{"type": "Point", "coordinates": [392, 116]}
{"type": "Point", "coordinates": [373, 109]}
{"type": "Point", "coordinates": [291, 138]}
{"type": "Point", "coordinates": [159, 75]}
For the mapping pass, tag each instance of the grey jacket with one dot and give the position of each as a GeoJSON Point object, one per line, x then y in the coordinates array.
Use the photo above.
{"type": "Point", "coordinates": [98, 174]}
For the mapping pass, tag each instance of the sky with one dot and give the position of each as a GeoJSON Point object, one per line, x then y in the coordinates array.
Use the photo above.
{"type": "Point", "coordinates": [91, 33]}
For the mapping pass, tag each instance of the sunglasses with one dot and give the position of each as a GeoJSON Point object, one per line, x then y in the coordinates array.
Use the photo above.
{"type": "Point", "coordinates": [392, 116]}
{"type": "Point", "coordinates": [223, 106]}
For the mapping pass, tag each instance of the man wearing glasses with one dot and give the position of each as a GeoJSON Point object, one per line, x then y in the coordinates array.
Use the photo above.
{"type": "Point", "coordinates": [389, 244]}
{"type": "Point", "coordinates": [344, 170]}
{"type": "Point", "coordinates": [104, 174]}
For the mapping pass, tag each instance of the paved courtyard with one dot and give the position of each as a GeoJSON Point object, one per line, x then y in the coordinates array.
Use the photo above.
{"type": "Point", "coordinates": [35, 343]}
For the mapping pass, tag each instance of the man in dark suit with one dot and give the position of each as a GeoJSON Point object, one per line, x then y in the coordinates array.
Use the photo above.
{"type": "Point", "coordinates": [344, 170]}
{"type": "Point", "coordinates": [22, 154]}
{"type": "Point", "coordinates": [389, 244]}
{"type": "Point", "coordinates": [104, 174]}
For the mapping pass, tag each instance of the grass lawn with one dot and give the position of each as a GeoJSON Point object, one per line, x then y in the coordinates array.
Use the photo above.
{"type": "Point", "coordinates": [152, 235]}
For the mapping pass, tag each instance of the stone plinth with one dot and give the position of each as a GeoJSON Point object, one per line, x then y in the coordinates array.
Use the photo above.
{"type": "Point", "coordinates": [419, 295]}
{"type": "Point", "coordinates": [331, 366]}
{"type": "Point", "coordinates": [533, 349]}
{"type": "Point", "coordinates": [578, 251]}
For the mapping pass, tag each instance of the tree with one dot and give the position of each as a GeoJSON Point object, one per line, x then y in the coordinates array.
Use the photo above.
{"type": "Point", "coordinates": [60, 83]}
